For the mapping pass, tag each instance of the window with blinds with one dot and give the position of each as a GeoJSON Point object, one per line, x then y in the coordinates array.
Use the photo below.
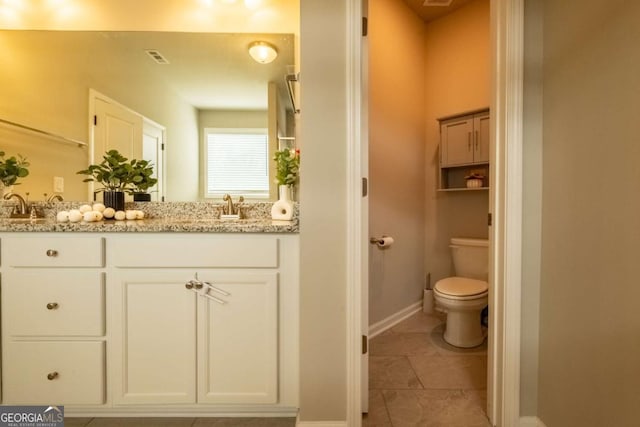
{"type": "Point", "coordinates": [237, 162]}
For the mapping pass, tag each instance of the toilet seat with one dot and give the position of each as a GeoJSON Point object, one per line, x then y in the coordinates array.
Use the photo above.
{"type": "Point", "coordinates": [461, 288]}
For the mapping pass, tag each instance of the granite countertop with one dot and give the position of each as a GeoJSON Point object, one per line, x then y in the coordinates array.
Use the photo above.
{"type": "Point", "coordinates": [152, 225]}
{"type": "Point", "coordinates": [160, 218]}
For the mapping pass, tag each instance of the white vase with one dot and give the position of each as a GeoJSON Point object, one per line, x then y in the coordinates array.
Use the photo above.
{"type": "Point", "coordinates": [283, 208]}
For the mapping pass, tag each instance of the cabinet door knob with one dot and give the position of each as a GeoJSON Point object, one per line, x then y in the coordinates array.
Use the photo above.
{"type": "Point", "coordinates": [197, 285]}
{"type": "Point", "coordinates": [188, 285]}
{"type": "Point", "coordinates": [52, 306]}
{"type": "Point", "coordinates": [52, 253]}
{"type": "Point", "coordinates": [52, 376]}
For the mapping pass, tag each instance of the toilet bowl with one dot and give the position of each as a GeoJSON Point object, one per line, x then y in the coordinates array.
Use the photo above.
{"type": "Point", "coordinates": [462, 299]}
{"type": "Point", "coordinates": [464, 296]}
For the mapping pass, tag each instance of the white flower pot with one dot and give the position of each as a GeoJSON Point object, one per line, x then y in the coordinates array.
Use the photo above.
{"type": "Point", "coordinates": [283, 208]}
{"type": "Point", "coordinates": [474, 183]}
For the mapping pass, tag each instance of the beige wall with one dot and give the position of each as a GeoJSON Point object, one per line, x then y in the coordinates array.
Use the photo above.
{"type": "Point", "coordinates": [323, 211]}
{"type": "Point", "coordinates": [396, 156]}
{"type": "Point", "coordinates": [51, 158]}
{"type": "Point", "coordinates": [589, 323]}
{"type": "Point", "coordinates": [457, 79]}
{"type": "Point", "coordinates": [232, 119]}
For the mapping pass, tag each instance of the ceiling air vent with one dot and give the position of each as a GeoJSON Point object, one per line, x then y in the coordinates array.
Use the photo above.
{"type": "Point", "coordinates": [444, 3]}
{"type": "Point", "coordinates": [157, 56]}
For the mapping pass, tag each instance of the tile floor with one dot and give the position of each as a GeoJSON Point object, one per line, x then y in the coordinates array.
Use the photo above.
{"type": "Point", "coordinates": [417, 379]}
{"type": "Point", "coordinates": [179, 422]}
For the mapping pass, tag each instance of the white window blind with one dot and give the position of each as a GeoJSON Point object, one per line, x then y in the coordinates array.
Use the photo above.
{"type": "Point", "coordinates": [237, 162]}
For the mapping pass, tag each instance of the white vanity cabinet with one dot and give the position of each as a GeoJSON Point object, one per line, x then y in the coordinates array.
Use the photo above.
{"type": "Point", "coordinates": [198, 322]}
{"type": "Point", "coordinates": [175, 345]}
{"type": "Point", "coordinates": [180, 323]}
{"type": "Point", "coordinates": [53, 320]}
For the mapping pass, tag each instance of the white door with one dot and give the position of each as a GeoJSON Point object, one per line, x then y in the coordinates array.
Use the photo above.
{"type": "Point", "coordinates": [238, 338]}
{"type": "Point", "coordinates": [153, 151]}
{"type": "Point", "coordinates": [116, 128]}
{"type": "Point", "coordinates": [154, 337]}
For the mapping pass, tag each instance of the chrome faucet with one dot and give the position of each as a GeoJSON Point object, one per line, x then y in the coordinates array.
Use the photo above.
{"type": "Point", "coordinates": [21, 209]}
{"type": "Point", "coordinates": [230, 209]}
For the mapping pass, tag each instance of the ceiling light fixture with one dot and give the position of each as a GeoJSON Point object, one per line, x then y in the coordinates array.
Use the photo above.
{"type": "Point", "coordinates": [263, 52]}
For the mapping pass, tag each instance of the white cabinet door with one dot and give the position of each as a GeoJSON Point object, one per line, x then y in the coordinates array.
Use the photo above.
{"type": "Point", "coordinates": [154, 338]}
{"type": "Point", "coordinates": [238, 338]}
{"type": "Point", "coordinates": [481, 138]}
{"type": "Point", "coordinates": [168, 338]}
{"type": "Point", "coordinates": [457, 141]}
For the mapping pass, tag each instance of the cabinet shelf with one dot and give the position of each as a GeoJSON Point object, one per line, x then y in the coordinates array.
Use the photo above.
{"type": "Point", "coordinates": [464, 189]}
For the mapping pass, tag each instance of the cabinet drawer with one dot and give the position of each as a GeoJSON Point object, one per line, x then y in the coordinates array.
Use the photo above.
{"type": "Point", "coordinates": [53, 251]}
{"type": "Point", "coordinates": [192, 252]}
{"type": "Point", "coordinates": [53, 302]}
{"type": "Point", "coordinates": [54, 372]}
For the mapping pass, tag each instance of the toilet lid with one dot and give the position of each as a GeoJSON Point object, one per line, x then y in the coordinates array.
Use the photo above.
{"type": "Point", "coordinates": [461, 286]}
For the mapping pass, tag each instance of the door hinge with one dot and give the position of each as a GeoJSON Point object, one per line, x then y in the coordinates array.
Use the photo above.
{"type": "Point", "coordinates": [95, 120]}
{"type": "Point", "coordinates": [489, 219]}
{"type": "Point", "coordinates": [365, 187]}
{"type": "Point", "coordinates": [365, 26]}
{"type": "Point", "coordinates": [365, 344]}
{"type": "Point", "coordinates": [162, 147]}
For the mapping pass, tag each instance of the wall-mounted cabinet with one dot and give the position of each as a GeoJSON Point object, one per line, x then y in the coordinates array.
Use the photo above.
{"type": "Point", "coordinates": [464, 150]}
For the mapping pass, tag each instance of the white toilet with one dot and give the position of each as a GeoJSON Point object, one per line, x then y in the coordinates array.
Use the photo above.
{"type": "Point", "coordinates": [464, 296]}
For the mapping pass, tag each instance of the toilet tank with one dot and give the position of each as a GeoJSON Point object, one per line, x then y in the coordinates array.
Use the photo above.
{"type": "Point", "coordinates": [470, 257]}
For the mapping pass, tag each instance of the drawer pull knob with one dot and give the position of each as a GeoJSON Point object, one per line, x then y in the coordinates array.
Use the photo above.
{"type": "Point", "coordinates": [52, 376]}
{"type": "Point", "coordinates": [52, 253]}
{"type": "Point", "coordinates": [52, 306]}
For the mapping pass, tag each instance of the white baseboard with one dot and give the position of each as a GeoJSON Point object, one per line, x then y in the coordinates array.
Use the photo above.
{"type": "Point", "coordinates": [388, 323]}
{"type": "Point", "coordinates": [321, 424]}
{"type": "Point", "coordinates": [530, 422]}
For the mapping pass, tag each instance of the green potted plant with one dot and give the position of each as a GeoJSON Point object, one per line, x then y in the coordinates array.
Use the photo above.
{"type": "Point", "coordinates": [114, 173]}
{"type": "Point", "coordinates": [287, 166]}
{"type": "Point", "coordinates": [287, 169]}
{"type": "Point", "coordinates": [12, 168]}
{"type": "Point", "coordinates": [141, 180]}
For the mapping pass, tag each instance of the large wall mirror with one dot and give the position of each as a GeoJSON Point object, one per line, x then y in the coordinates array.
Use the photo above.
{"type": "Point", "coordinates": [179, 82]}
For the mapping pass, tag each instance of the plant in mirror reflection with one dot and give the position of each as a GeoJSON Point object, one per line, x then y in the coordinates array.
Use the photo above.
{"type": "Point", "coordinates": [117, 173]}
{"type": "Point", "coordinates": [141, 179]}
{"type": "Point", "coordinates": [12, 168]}
{"type": "Point", "coordinates": [287, 166]}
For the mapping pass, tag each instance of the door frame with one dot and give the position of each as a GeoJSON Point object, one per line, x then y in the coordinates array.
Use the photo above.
{"type": "Point", "coordinates": [507, 28]}
{"type": "Point", "coordinates": [94, 96]}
